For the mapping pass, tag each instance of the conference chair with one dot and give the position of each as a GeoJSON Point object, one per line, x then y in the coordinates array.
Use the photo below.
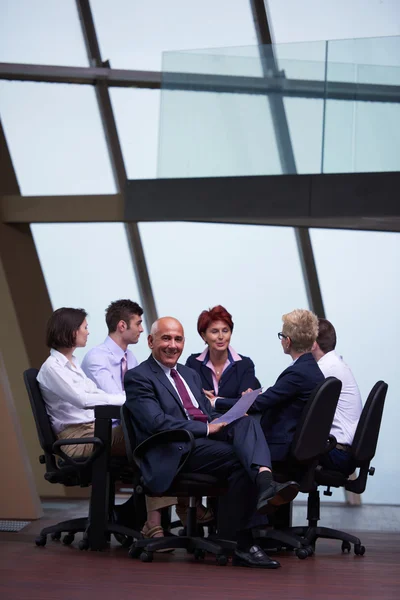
{"type": "Point", "coordinates": [309, 442]}
{"type": "Point", "coordinates": [61, 468]}
{"type": "Point", "coordinates": [192, 485]}
{"type": "Point", "coordinates": [362, 452]}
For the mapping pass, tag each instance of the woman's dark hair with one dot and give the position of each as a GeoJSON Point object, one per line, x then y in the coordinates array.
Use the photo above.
{"type": "Point", "coordinates": [218, 313]}
{"type": "Point", "coordinates": [62, 327]}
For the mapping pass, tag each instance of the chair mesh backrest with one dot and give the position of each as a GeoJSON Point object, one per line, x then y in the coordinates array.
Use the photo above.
{"type": "Point", "coordinates": [367, 432]}
{"type": "Point", "coordinates": [315, 423]}
{"type": "Point", "coordinates": [129, 432]}
{"type": "Point", "coordinates": [43, 425]}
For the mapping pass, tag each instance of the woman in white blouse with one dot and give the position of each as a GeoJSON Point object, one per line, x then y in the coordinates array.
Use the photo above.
{"type": "Point", "coordinates": [68, 393]}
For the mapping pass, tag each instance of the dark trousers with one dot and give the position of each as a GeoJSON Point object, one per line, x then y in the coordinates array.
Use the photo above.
{"type": "Point", "coordinates": [338, 460]}
{"type": "Point", "coordinates": [234, 454]}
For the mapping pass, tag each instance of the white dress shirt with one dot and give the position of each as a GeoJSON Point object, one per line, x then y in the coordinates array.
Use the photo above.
{"type": "Point", "coordinates": [69, 395]}
{"type": "Point", "coordinates": [349, 407]}
{"type": "Point", "coordinates": [102, 364]}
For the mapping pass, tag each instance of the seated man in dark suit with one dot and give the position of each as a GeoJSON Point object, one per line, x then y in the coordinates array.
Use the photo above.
{"type": "Point", "coordinates": [282, 404]}
{"type": "Point", "coordinates": [163, 395]}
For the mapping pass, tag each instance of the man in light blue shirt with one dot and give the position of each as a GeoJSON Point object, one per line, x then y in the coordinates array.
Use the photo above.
{"type": "Point", "coordinates": [107, 363]}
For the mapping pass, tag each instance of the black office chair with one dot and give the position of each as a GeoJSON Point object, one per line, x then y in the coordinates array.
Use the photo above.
{"type": "Point", "coordinates": [192, 485]}
{"type": "Point", "coordinates": [362, 451]}
{"type": "Point", "coordinates": [309, 442]}
{"type": "Point", "coordinates": [61, 468]}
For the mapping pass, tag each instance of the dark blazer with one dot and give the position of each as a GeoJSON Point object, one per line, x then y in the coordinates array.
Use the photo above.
{"type": "Point", "coordinates": [237, 378]}
{"type": "Point", "coordinates": [155, 406]}
{"type": "Point", "coordinates": [282, 404]}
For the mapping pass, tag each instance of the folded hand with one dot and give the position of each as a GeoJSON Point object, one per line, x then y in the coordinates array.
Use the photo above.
{"type": "Point", "coordinates": [246, 391]}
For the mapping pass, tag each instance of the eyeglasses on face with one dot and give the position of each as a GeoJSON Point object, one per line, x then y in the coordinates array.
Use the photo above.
{"type": "Point", "coordinates": [282, 336]}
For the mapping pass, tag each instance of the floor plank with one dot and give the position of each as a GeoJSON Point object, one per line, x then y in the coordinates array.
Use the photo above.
{"type": "Point", "coordinates": [62, 572]}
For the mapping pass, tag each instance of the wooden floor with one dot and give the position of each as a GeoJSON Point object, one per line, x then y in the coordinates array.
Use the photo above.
{"type": "Point", "coordinates": [59, 572]}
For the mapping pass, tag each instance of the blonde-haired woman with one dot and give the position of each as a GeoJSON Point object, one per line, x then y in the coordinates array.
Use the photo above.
{"type": "Point", "coordinates": [281, 405]}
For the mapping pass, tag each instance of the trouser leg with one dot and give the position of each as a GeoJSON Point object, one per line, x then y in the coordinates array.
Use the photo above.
{"type": "Point", "coordinates": [249, 443]}
{"type": "Point", "coordinates": [236, 508]}
{"type": "Point", "coordinates": [159, 502]}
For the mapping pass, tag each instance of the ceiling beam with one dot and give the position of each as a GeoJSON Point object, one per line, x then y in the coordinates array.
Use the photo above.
{"type": "Point", "coordinates": [235, 84]}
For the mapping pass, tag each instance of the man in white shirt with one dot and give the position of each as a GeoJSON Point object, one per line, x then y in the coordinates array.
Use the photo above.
{"type": "Point", "coordinates": [349, 407]}
{"type": "Point", "coordinates": [68, 394]}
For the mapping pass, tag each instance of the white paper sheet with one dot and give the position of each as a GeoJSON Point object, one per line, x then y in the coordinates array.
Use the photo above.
{"type": "Point", "coordinates": [240, 408]}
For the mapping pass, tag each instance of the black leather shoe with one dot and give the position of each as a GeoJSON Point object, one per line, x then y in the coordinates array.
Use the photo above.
{"type": "Point", "coordinates": [277, 494]}
{"type": "Point", "coordinates": [255, 558]}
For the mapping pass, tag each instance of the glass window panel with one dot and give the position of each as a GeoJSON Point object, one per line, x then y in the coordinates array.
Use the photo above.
{"type": "Point", "coordinates": [43, 32]}
{"type": "Point", "coordinates": [253, 271]}
{"type": "Point", "coordinates": [55, 138]}
{"type": "Point", "coordinates": [359, 277]}
{"type": "Point", "coordinates": [305, 118]}
{"type": "Point", "coordinates": [140, 31]}
{"type": "Point", "coordinates": [137, 114]}
{"type": "Point", "coordinates": [88, 265]}
{"type": "Point", "coordinates": [216, 134]}
{"type": "Point", "coordinates": [211, 133]}
{"type": "Point", "coordinates": [362, 136]}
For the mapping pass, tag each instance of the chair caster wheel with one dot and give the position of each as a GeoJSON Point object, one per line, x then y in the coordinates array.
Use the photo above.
{"type": "Point", "coordinates": [127, 542]}
{"type": "Point", "coordinates": [56, 536]}
{"type": "Point", "coordinates": [199, 554]}
{"type": "Point", "coordinates": [222, 560]}
{"type": "Point", "coordinates": [83, 544]}
{"type": "Point", "coordinates": [310, 550]}
{"type": "Point", "coordinates": [302, 553]}
{"type": "Point", "coordinates": [359, 549]}
{"type": "Point", "coordinates": [346, 547]}
{"type": "Point", "coordinates": [41, 540]}
{"type": "Point", "coordinates": [134, 552]}
{"type": "Point", "coordinates": [146, 556]}
{"type": "Point", "coordinates": [68, 539]}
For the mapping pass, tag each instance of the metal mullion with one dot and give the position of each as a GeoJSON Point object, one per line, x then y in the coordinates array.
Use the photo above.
{"type": "Point", "coordinates": [286, 154]}
{"type": "Point", "coordinates": [117, 161]}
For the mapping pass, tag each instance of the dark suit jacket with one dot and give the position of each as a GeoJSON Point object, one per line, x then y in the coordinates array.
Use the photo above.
{"type": "Point", "coordinates": [282, 404]}
{"type": "Point", "coordinates": [155, 406]}
{"type": "Point", "coordinates": [237, 378]}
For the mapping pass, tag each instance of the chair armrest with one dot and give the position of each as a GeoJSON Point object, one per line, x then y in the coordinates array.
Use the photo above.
{"type": "Point", "coordinates": [107, 411]}
{"type": "Point", "coordinates": [165, 437]}
{"type": "Point", "coordinates": [98, 447]}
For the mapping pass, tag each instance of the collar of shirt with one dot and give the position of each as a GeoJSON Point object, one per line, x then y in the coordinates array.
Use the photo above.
{"type": "Point", "coordinates": [114, 349]}
{"type": "Point", "coordinates": [233, 356]}
{"type": "Point", "coordinates": [327, 358]}
{"type": "Point", "coordinates": [63, 360]}
{"type": "Point", "coordinates": [166, 370]}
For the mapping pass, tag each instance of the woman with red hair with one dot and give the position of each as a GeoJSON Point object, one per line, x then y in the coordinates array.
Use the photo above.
{"type": "Point", "coordinates": [224, 372]}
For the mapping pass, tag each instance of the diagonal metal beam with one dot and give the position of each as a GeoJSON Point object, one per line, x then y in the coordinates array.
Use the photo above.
{"type": "Point", "coordinates": [286, 154]}
{"type": "Point", "coordinates": [117, 160]}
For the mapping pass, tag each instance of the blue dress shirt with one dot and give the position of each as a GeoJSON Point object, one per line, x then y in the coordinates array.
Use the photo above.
{"type": "Point", "coordinates": [102, 364]}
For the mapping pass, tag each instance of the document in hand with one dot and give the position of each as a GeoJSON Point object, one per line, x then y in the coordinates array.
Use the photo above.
{"type": "Point", "coordinates": [240, 408]}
